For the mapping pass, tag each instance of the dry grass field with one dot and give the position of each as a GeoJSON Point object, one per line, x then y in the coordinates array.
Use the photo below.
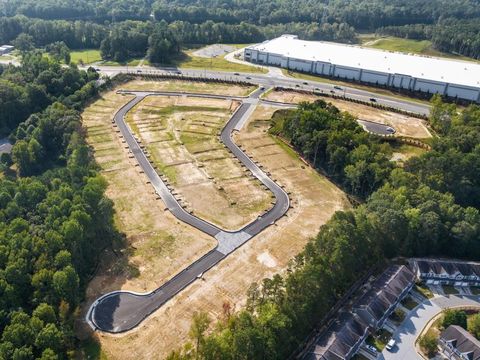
{"type": "Point", "coordinates": [181, 135]}
{"type": "Point", "coordinates": [186, 86]}
{"type": "Point", "coordinates": [158, 245]}
{"type": "Point", "coordinates": [404, 125]}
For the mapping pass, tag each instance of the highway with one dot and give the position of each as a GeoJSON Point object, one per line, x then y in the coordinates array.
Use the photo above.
{"type": "Point", "coordinates": [121, 311]}
{"type": "Point", "coordinates": [273, 79]}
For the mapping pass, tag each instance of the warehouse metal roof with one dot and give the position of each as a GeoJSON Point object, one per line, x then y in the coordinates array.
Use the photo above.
{"type": "Point", "coordinates": [459, 72]}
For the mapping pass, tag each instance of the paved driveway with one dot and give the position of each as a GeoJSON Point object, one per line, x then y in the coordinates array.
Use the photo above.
{"type": "Point", "coordinates": [416, 320]}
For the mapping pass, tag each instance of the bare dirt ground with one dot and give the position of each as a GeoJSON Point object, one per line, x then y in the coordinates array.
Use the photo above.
{"type": "Point", "coordinates": [181, 135]}
{"type": "Point", "coordinates": [314, 200]}
{"type": "Point", "coordinates": [196, 87]}
{"type": "Point", "coordinates": [404, 125]}
{"type": "Point", "coordinates": [155, 240]}
{"type": "Point", "coordinates": [214, 50]}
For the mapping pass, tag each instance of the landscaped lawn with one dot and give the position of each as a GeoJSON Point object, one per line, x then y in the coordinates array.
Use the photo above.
{"type": "Point", "coordinates": [371, 340]}
{"type": "Point", "coordinates": [409, 303]}
{"type": "Point", "coordinates": [424, 290]}
{"type": "Point", "coordinates": [449, 290]}
{"type": "Point", "coordinates": [397, 316]}
{"type": "Point", "coordinates": [129, 62]}
{"type": "Point", "coordinates": [422, 47]}
{"type": "Point", "coordinates": [188, 61]}
{"type": "Point", "coordinates": [379, 340]}
{"type": "Point", "coordinates": [86, 56]}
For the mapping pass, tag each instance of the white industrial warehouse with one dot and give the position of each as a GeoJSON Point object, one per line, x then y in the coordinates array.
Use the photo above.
{"type": "Point", "coordinates": [453, 78]}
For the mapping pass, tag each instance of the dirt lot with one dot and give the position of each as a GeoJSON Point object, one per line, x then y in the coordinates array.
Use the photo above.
{"type": "Point", "coordinates": [155, 239]}
{"type": "Point", "coordinates": [196, 87]}
{"type": "Point", "coordinates": [314, 200]}
{"type": "Point", "coordinates": [181, 135]}
{"type": "Point", "coordinates": [404, 125]}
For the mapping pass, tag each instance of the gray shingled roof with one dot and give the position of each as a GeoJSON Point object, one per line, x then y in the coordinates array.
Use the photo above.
{"type": "Point", "coordinates": [447, 267]}
{"type": "Point", "coordinates": [347, 331]}
{"type": "Point", "coordinates": [463, 341]}
{"type": "Point", "coordinates": [386, 290]}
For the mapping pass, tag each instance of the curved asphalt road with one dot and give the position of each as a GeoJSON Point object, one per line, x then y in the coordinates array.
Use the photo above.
{"type": "Point", "coordinates": [121, 311]}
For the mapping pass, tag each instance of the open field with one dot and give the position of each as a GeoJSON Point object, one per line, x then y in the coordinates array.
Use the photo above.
{"type": "Point", "coordinates": [403, 152]}
{"type": "Point", "coordinates": [194, 87]}
{"type": "Point", "coordinates": [404, 125]}
{"type": "Point", "coordinates": [153, 250]}
{"type": "Point", "coordinates": [421, 47]}
{"type": "Point", "coordinates": [86, 56]}
{"type": "Point", "coordinates": [314, 200]}
{"type": "Point", "coordinates": [189, 61]}
{"type": "Point", "coordinates": [181, 135]}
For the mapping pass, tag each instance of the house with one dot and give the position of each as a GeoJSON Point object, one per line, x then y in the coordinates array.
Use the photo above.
{"type": "Point", "coordinates": [341, 341]}
{"type": "Point", "coordinates": [5, 49]}
{"type": "Point", "coordinates": [458, 344]}
{"type": "Point", "coordinates": [350, 329]}
{"type": "Point", "coordinates": [448, 272]}
{"type": "Point", "coordinates": [384, 295]}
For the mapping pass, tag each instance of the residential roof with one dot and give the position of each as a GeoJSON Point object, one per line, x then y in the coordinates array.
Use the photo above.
{"type": "Point", "coordinates": [337, 343]}
{"type": "Point", "coordinates": [459, 72]}
{"type": "Point", "coordinates": [386, 290]}
{"type": "Point", "coordinates": [448, 267]}
{"type": "Point", "coordinates": [463, 341]}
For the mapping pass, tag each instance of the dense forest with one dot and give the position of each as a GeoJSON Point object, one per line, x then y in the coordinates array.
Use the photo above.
{"type": "Point", "coordinates": [131, 28]}
{"type": "Point", "coordinates": [362, 14]}
{"type": "Point", "coordinates": [450, 35]}
{"type": "Point", "coordinates": [429, 207]}
{"type": "Point", "coordinates": [54, 218]}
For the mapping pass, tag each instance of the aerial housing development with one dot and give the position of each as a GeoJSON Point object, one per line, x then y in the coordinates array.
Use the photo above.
{"type": "Point", "coordinates": [452, 78]}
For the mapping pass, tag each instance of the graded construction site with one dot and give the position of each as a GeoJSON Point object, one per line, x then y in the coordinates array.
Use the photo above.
{"type": "Point", "coordinates": [180, 135]}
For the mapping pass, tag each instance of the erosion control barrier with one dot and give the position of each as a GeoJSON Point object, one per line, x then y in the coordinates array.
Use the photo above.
{"type": "Point", "coordinates": [357, 101]}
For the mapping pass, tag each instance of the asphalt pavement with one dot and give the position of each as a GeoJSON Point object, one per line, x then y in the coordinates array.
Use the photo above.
{"type": "Point", "coordinates": [416, 320]}
{"type": "Point", "coordinates": [273, 79]}
{"type": "Point", "coordinates": [121, 311]}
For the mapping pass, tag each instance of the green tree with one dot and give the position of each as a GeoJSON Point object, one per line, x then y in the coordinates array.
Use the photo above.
{"type": "Point", "coordinates": [429, 344]}
{"type": "Point", "coordinates": [200, 323]}
{"type": "Point", "coordinates": [454, 317]}
{"type": "Point", "coordinates": [473, 325]}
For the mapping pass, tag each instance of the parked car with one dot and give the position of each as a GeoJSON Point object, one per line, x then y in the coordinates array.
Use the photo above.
{"type": "Point", "coordinates": [373, 100]}
{"type": "Point", "coordinates": [248, 78]}
{"type": "Point", "coordinates": [337, 87]}
{"type": "Point", "coordinates": [236, 74]}
{"type": "Point", "coordinates": [371, 348]}
{"type": "Point", "coordinates": [296, 85]}
{"type": "Point", "coordinates": [305, 83]}
{"type": "Point", "coordinates": [139, 71]}
{"type": "Point", "coordinates": [390, 345]}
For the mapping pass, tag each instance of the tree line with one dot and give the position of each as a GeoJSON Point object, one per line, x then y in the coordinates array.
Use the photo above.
{"type": "Point", "coordinates": [449, 35]}
{"type": "Point", "coordinates": [362, 14]}
{"type": "Point", "coordinates": [54, 217]}
{"type": "Point", "coordinates": [33, 86]}
{"type": "Point", "coordinates": [409, 212]}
